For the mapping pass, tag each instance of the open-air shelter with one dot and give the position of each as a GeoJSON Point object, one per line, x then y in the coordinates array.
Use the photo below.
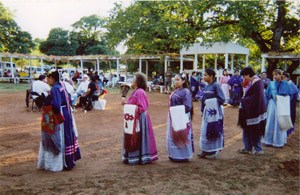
{"type": "Point", "coordinates": [97, 58]}
{"type": "Point", "coordinates": [282, 56]}
{"type": "Point", "coordinates": [218, 48]}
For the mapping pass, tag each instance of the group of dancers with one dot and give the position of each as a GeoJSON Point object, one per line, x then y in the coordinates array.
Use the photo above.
{"type": "Point", "coordinates": [257, 117]}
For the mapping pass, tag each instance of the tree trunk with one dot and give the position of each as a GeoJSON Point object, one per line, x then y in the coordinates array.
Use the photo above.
{"type": "Point", "coordinates": [295, 64]}
{"type": "Point", "coordinates": [272, 65]}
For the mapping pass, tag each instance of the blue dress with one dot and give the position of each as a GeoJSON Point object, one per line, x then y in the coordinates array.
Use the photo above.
{"type": "Point", "coordinates": [180, 97]}
{"type": "Point", "coordinates": [236, 89]}
{"type": "Point", "coordinates": [206, 143]}
{"type": "Point", "coordinates": [69, 151]}
{"type": "Point", "coordinates": [274, 136]}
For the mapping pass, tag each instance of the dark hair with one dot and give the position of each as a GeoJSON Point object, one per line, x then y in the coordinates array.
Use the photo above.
{"type": "Point", "coordinates": [184, 85]}
{"type": "Point", "coordinates": [277, 71]}
{"type": "Point", "coordinates": [224, 71]}
{"type": "Point", "coordinates": [141, 81]}
{"type": "Point", "coordinates": [211, 72]}
{"type": "Point", "coordinates": [54, 74]}
{"type": "Point", "coordinates": [93, 78]}
{"type": "Point", "coordinates": [236, 70]}
{"type": "Point", "coordinates": [42, 77]}
{"type": "Point", "coordinates": [286, 74]}
{"type": "Point", "coordinates": [248, 71]}
{"type": "Point", "coordinates": [97, 78]}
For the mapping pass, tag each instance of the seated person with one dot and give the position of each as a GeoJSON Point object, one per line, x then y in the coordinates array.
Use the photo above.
{"type": "Point", "coordinates": [82, 88]}
{"type": "Point", "coordinates": [99, 83]}
{"type": "Point", "coordinates": [91, 95]}
{"type": "Point", "coordinates": [40, 87]}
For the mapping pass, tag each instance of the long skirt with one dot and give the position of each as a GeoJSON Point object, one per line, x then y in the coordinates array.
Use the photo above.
{"type": "Point", "coordinates": [70, 151]}
{"type": "Point", "coordinates": [225, 89]}
{"type": "Point", "coordinates": [178, 153]}
{"type": "Point", "coordinates": [48, 160]}
{"type": "Point", "coordinates": [293, 115]}
{"type": "Point", "coordinates": [147, 151]}
{"type": "Point", "coordinates": [273, 134]}
{"type": "Point", "coordinates": [210, 145]}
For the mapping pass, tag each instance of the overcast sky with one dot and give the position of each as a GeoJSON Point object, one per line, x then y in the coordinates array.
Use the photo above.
{"type": "Point", "coordinates": [38, 17]}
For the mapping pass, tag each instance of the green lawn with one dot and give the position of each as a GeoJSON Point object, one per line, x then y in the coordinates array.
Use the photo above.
{"type": "Point", "coordinates": [12, 88]}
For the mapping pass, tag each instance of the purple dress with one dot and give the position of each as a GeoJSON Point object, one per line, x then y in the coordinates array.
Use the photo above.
{"type": "Point", "coordinates": [147, 151]}
{"type": "Point", "coordinates": [180, 97]}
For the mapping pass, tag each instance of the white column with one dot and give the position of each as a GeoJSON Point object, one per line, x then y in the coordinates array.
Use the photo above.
{"type": "Point", "coordinates": [118, 68]}
{"type": "Point", "coordinates": [226, 61]}
{"type": "Point", "coordinates": [42, 65]}
{"type": "Point", "coordinates": [203, 63]}
{"type": "Point", "coordinates": [140, 64]}
{"type": "Point", "coordinates": [166, 64]}
{"type": "Point", "coordinates": [55, 64]}
{"type": "Point", "coordinates": [263, 64]}
{"type": "Point", "coordinates": [147, 69]}
{"type": "Point", "coordinates": [11, 68]}
{"type": "Point", "coordinates": [232, 63]}
{"type": "Point", "coordinates": [195, 63]}
{"type": "Point", "coordinates": [98, 66]}
{"type": "Point", "coordinates": [81, 66]}
{"type": "Point", "coordinates": [181, 63]}
{"type": "Point", "coordinates": [247, 56]}
{"type": "Point", "coordinates": [216, 60]}
{"type": "Point", "coordinates": [30, 73]}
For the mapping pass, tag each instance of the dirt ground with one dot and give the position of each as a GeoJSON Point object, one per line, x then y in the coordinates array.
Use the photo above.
{"type": "Point", "coordinates": [100, 171]}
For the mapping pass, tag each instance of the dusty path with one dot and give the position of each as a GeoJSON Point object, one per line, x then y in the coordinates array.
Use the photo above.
{"type": "Point", "coordinates": [101, 171]}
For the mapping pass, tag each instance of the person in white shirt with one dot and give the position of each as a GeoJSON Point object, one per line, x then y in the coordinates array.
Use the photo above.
{"type": "Point", "coordinates": [82, 88]}
{"type": "Point", "coordinates": [68, 83]}
{"type": "Point", "coordinates": [40, 86]}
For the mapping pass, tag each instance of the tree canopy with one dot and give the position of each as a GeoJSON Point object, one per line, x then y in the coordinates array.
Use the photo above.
{"type": "Point", "coordinates": [12, 38]}
{"type": "Point", "coordinates": [59, 42]}
{"type": "Point", "coordinates": [148, 27]}
{"type": "Point", "coordinates": [86, 38]}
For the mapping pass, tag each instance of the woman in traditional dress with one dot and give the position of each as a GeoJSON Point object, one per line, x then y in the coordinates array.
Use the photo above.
{"type": "Point", "coordinates": [59, 146]}
{"type": "Point", "coordinates": [212, 132]}
{"type": "Point", "coordinates": [274, 136]}
{"type": "Point", "coordinates": [194, 84]}
{"type": "Point", "coordinates": [252, 113]}
{"type": "Point", "coordinates": [180, 143]}
{"type": "Point", "coordinates": [236, 88]}
{"type": "Point", "coordinates": [139, 147]}
{"type": "Point", "coordinates": [295, 92]}
{"type": "Point", "coordinates": [224, 85]}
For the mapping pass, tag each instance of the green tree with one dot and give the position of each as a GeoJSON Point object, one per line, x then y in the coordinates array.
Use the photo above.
{"type": "Point", "coordinates": [163, 27]}
{"type": "Point", "coordinates": [59, 42]}
{"type": "Point", "coordinates": [12, 38]}
{"type": "Point", "coordinates": [89, 32]}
